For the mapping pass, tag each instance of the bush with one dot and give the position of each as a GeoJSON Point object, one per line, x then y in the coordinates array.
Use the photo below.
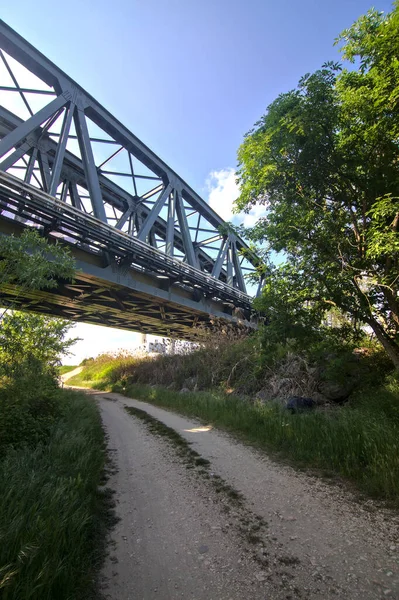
{"type": "Point", "coordinates": [29, 406]}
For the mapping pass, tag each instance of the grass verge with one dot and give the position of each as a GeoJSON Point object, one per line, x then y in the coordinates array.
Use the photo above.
{"type": "Point", "coordinates": [357, 442]}
{"type": "Point", "coordinates": [53, 512]}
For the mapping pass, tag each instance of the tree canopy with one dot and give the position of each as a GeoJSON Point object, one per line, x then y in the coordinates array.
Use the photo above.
{"type": "Point", "coordinates": [324, 162]}
{"type": "Point", "coordinates": [30, 262]}
{"type": "Point", "coordinates": [28, 340]}
{"type": "Point", "coordinates": [32, 343]}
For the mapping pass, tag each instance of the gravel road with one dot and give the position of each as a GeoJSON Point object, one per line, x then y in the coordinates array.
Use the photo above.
{"type": "Point", "coordinates": [240, 527]}
{"type": "Point", "coordinates": [64, 378]}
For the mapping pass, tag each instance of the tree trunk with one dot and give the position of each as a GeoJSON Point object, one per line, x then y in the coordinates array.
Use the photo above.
{"type": "Point", "coordinates": [390, 347]}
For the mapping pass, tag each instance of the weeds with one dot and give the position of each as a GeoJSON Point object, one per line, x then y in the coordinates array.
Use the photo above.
{"type": "Point", "coordinates": [220, 363]}
{"type": "Point", "coordinates": [53, 514]}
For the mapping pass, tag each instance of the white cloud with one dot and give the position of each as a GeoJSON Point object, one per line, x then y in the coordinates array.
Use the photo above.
{"type": "Point", "coordinates": [223, 191]}
{"type": "Point", "coordinates": [97, 340]}
{"type": "Point", "coordinates": [249, 219]}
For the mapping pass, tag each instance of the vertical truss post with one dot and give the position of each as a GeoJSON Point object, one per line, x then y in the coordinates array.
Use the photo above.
{"type": "Point", "coordinates": [197, 228]}
{"type": "Point", "coordinates": [260, 287]}
{"type": "Point", "coordinates": [237, 269]}
{"type": "Point", "coordinates": [217, 267]}
{"type": "Point", "coordinates": [189, 250]}
{"type": "Point", "coordinates": [31, 166]}
{"type": "Point", "coordinates": [170, 225]}
{"type": "Point", "coordinates": [44, 170]}
{"type": "Point", "coordinates": [137, 221]}
{"type": "Point", "coordinates": [123, 218]}
{"type": "Point", "coordinates": [64, 191]}
{"type": "Point", "coordinates": [75, 198]}
{"type": "Point", "coordinates": [61, 147]}
{"type": "Point", "coordinates": [230, 280]}
{"type": "Point", "coordinates": [153, 241]}
{"type": "Point", "coordinates": [89, 165]}
{"type": "Point", "coordinates": [27, 178]}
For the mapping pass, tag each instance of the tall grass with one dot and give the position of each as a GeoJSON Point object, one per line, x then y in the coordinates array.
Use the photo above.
{"type": "Point", "coordinates": [51, 509]}
{"type": "Point", "coordinates": [360, 443]}
{"type": "Point", "coordinates": [224, 363]}
{"type": "Point", "coordinates": [105, 370]}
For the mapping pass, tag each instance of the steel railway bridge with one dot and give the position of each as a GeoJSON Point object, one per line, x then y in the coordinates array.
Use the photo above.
{"type": "Point", "coordinates": [151, 254]}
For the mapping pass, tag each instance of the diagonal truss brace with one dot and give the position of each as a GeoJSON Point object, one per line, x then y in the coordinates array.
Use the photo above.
{"type": "Point", "coordinates": [153, 215]}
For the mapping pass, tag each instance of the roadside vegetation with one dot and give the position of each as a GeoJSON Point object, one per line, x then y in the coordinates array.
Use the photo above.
{"type": "Point", "coordinates": [53, 514]}
{"type": "Point", "coordinates": [356, 439]}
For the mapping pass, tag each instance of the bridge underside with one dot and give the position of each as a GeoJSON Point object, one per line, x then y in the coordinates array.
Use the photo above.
{"type": "Point", "coordinates": [111, 305]}
{"type": "Point", "coordinates": [121, 297]}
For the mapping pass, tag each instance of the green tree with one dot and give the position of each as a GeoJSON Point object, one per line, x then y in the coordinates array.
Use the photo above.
{"type": "Point", "coordinates": [324, 162]}
{"type": "Point", "coordinates": [31, 262]}
{"type": "Point", "coordinates": [32, 339]}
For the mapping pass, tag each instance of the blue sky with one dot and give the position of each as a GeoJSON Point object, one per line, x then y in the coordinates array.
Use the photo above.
{"type": "Point", "coordinates": [188, 77]}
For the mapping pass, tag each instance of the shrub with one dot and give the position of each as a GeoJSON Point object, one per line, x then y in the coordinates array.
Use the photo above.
{"type": "Point", "coordinates": [29, 406]}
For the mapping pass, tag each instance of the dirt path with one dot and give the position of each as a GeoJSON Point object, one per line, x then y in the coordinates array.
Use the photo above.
{"type": "Point", "coordinates": [184, 534]}
{"type": "Point", "coordinates": [70, 374]}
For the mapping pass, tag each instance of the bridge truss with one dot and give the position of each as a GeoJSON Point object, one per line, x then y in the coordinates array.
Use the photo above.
{"type": "Point", "coordinates": [151, 253]}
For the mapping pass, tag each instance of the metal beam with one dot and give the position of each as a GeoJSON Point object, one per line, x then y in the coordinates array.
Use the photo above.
{"type": "Point", "coordinates": [62, 142]}
{"type": "Point", "coordinates": [89, 165]}
{"type": "Point", "coordinates": [217, 267]}
{"type": "Point", "coordinates": [16, 136]}
{"type": "Point", "coordinates": [191, 255]}
{"type": "Point", "coordinates": [14, 157]}
{"type": "Point", "coordinates": [230, 280]}
{"type": "Point", "coordinates": [75, 198]}
{"type": "Point", "coordinates": [215, 238]}
{"type": "Point", "coordinates": [170, 224]}
{"type": "Point", "coordinates": [31, 165]}
{"type": "Point", "coordinates": [44, 170]}
{"type": "Point", "coordinates": [152, 216]}
{"type": "Point", "coordinates": [124, 217]}
{"type": "Point", "coordinates": [237, 269]}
